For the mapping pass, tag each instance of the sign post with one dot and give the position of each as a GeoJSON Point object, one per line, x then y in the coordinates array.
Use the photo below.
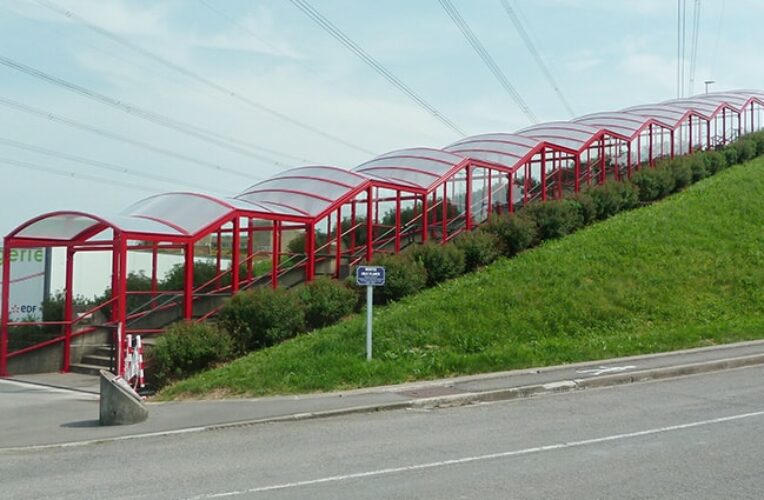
{"type": "Point", "coordinates": [369, 276]}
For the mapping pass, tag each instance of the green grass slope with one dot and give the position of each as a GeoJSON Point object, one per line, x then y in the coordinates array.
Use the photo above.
{"type": "Point", "coordinates": [686, 272]}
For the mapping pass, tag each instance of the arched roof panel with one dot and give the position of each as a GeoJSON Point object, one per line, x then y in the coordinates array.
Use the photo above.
{"type": "Point", "coordinates": [187, 213]}
{"type": "Point", "coordinates": [499, 148]}
{"type": "Point", "coordinates": [570, 135]}
{"type": "Point", "coordinates": [419, 167]}
{"type": "Point", "coordinates": [68, 226]}
{"type": "Point", "coordinates": [307, 191]}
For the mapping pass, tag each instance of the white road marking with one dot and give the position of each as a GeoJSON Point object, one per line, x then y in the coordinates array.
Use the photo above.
{"type": "Point", "coordinates": [606, 369]}
{"type": "Point", "coordinates": [479, 458]}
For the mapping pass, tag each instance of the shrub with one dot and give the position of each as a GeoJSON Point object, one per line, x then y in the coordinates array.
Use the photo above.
{"type": "Point", "coordinates": [441, 262]}
{"type": "Point", "coordinates": [730, 155]}
{"type": "Point", "coordinates": [680, 171]}
{"type": "Point", "coordinates": [262, 317]}
{"type": "Point", "coordinates": [715, 161]}
{"type": "Point", "coordinates": [480, 248]}
{"type": "Point", "coordinates": [403, 276]}
{"type": "Point", "coordinates": [554, 219]}
{"type": "Point", "coordinates": [746, 149]}
{"type": "Point", "coordinates": [515, 232]}
{"type": "Point", "coordinates": [204, 271]}
{"type": "Point", "coordinates": [698, 167]}
{"type": "Point", "coordinates": [758, 139]}
{"type": "Point", "coordinates": [613, 197]}
{"type": "Point", "coordinates": [586, 207]}
{"type": "Point", "coordinates": [187, 348]}
{"type": "Point", "coordinates": [326, 301]}
{"type": "Point", "coordinates": [654, 183]}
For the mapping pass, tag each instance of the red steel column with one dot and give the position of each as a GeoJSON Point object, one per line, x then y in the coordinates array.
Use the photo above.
{"type": "Point", "coordinates": [250, 246]}
{"type": "Point", "coordinates": [154, 258]}
{"type": "Point", "coordinates": [68, 294]}
{"type": "Point", "coordinates": [235, 255]}
{"type": "Point", "coordinates": [628, 159]}
{"type": "Point", "coordinates": [671, 138]}
{"type": "Point", "coordinates": [5, 308]}
{"type": "Point", "coordinates": [543, 176]}
{"type": "Point", "coordinates": [577, 172]}
{"type": "Point", "coordinates": [339, 242]}
{"type": "Point", "coordinates": [276, 254]}
{"type": "Point", "coordinates": [188, 283]}
{"type": "Point", "coordinates": [426, 218]}
{"type": "Point", "coordinates": [370, 226]}
{"type": "Point", "coordinates": [121, 304]}
{"type": "Point", "coordinates": [397, 221]}
{"type": "Point", "coordinates": [310, 272]}
{"type": "Point", "coordinates": [650, 149]}
{"type": "Point", "coordinates": [468, 199]}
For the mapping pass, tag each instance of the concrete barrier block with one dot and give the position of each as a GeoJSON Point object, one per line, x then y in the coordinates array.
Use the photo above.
{"type": "Point", "coordinates": [120, 404]}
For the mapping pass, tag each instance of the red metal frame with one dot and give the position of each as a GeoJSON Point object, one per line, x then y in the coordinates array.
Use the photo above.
{"type": "Point", "coordinates": [476, 169]}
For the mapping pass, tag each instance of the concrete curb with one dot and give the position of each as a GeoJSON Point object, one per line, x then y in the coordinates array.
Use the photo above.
{"type": "Point", "coordinates": [455, 400]}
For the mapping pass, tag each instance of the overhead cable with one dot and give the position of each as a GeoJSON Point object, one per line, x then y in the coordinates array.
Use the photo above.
{"type": "Point", "coordinates": [47, 115]}
{"type": "Point", "coordinates": [200, 133]}
{"type": "Point", "coordinates": [341, 37]}
{"type": "Point", "coordinates": [198, 78]}
{"type": "Point", "coordinates": [75, 175]}
{"type": "Point", "coordinates": [118, 169]}
{"type": "Point", "coordinates": [536, 55]}
{"type": "Point", "coordinates": [486, 57]}
{"type": "Point", "coordinates": [694, 51]}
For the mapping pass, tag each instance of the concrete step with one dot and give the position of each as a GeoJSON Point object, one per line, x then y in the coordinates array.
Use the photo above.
{"type": "Point", "coordinates": [85, 369]}
{"type": "Point", "coordinates": [97, 360]}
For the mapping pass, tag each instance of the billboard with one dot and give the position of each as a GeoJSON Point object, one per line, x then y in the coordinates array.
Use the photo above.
{"type": "Point", "coordinates": [28, 283]}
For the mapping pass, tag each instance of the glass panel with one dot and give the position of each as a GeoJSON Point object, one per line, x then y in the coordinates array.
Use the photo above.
{"type": "Point", "coordinates": [516, 150]}
{"type": "Point", "coordinates": [436, 168]}
{"type": "Point", "coordinates": [301, 202]}
{"type": "Point", "coordinates": [499, 137]}
{"type": "Point", "coordinates": [392, 174]}
{"type": "Point", "coordinates": [322, 188]}
{"type": "Point", "coordinates": [332, 173]}
{"type": "Point", "coordinates": [58, 227]}
{"type": "Point", "coordinates": [189, 211]}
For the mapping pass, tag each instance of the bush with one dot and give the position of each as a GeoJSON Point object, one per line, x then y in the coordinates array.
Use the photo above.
{"type": "Point", "coordinates": [403, 276]}
{"type": "Point", "coordinates": [613, 197]}
{"type": "Point", "coordinates": [655, 183]}
{"type": "Point", "coordinates": [480, 248]}
{"type": "Point", "coordinates": [746, 149]}
{"type": "Point", "coordinates": [680, 171]}
{"type": "Point", "coordinates": [262, 317]}
{"type": "Point", "coordinates": [554, 219]}
{"type": "Point", "coordinates": [204, 271]}
{"type": "Point", "coordinates": [326, 301]}
{"type": "Point", "coordinates": [586, 207]}
{"type": "Point", "coordinates": [441, 262]}
{"type": "Point", "coordinates": [515, 232]}
{"type": "Point", "coordinates": [758, 139]}
{"type": "Point", "coordinates": [715, 161]}
{"type": "Point", "coordinates": [730, 155]}
{"type": "Point", "coordinates": [698, 167]}
{"type": "Point", "coordinates": [187, 348]}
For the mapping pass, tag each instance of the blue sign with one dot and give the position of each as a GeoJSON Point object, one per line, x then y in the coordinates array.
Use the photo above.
{"type": "Point", "coordinates": [370, 275]}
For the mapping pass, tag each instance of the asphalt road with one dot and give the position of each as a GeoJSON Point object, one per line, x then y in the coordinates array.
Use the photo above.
{"type": "Point", "coordinates": [693, 437]}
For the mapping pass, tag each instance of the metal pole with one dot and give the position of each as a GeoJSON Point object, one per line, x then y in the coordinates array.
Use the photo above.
{"type": "Point", "coordinates": [369, 305]}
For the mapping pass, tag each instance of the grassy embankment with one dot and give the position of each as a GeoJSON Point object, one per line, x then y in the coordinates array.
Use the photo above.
{"type": "Point", "coordinates": [685, 272]}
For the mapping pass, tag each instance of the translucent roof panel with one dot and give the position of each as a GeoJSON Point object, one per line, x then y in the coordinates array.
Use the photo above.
{"type": "Point", "coordinates": [306, 191]}
{"type": "Point", "coordinates": [566, 134]}
{"type": "Point", "coordinates": [737, 101]}
{"type": "Point", "coordinates": [419, 167]}
{"type": "Point", "coordinates": [65, 226]}
{"type": "Point", "coordinates": [703, 108]}
{"type": "Point", "coordinates": [502, 149]}
{"type": "Point", "coordinates": [619, 122]}
{"type": "Point", "coordinates": [187, 213]}
{"type": "Point", "coordinates": [670, 115]}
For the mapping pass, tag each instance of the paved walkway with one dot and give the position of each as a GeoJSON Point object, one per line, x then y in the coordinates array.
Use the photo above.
{"type": "Point", "coordinates": [53, 409]}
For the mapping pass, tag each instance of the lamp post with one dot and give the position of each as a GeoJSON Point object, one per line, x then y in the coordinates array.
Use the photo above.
{"type": "Point", "coordinates": [707, 83]}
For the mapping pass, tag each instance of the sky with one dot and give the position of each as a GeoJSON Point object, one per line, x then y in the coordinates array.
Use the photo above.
{"type": "Point", "coordinates": [278, 91]}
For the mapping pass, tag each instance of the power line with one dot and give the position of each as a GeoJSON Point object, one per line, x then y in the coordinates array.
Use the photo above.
{"type": "Point", "coordinates": [694, 51]}
{"type": "Point", "coordinates": [73, 175]}
{"type": "Point", "coordinates": [712, 64]}
{"type": "Point", "coordinates": [137, 111]}
{"type": "Point", "coordinates": [101, 164]}
{"type": "Point", "coordinates": [536, 55]}
{"type": "Point", "coordinates": [198, 78]}
{"type": "Point", "coordinates": [486, 57]}
{"type": "Point", "coordinates": [684, 44]}
{"type": "Point", "coordinates": [341, 37]}
{"type": "Point", "coordinates": [678, 48]}
{"type": "Point", "coordinates": [47, 115]}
